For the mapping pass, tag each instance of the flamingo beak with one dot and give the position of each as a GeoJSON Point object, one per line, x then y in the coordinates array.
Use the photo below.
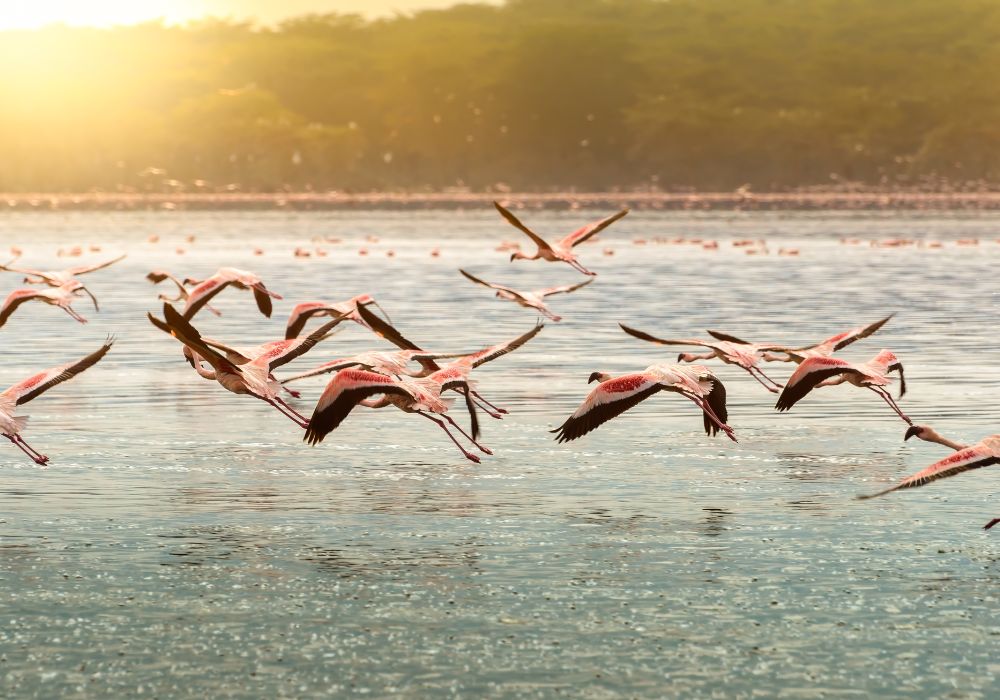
{"type": "Point", "coordinates": [594, 377]}
{"type": "Point", "coordinates": [513, 257]}
{"type": "Point", "coordinates": [911, 431]}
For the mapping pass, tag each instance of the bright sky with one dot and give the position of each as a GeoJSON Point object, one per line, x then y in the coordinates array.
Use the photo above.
{"type": "Point", "coordinates": [29, 14]}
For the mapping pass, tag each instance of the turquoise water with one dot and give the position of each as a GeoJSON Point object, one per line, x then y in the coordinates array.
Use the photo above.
{"type": "Point", "coordinates": [184, 542]}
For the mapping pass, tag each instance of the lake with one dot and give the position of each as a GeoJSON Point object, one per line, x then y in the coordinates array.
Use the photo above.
{"type": "Point", "coordinates": [185, 542]}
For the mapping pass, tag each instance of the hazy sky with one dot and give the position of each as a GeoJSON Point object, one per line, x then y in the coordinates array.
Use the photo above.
{"type": "Point", "coordinates": [35, 13]}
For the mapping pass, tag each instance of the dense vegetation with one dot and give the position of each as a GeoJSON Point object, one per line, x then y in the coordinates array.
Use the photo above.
{"type": "Point", "coordinates": [536, 94]}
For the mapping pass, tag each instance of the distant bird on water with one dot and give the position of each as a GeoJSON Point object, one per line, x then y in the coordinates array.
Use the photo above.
{"type": "Point", "coordinates": [34, 386]}
{"type": "Point", "coordinates": [533, 299]}
{"type": "Point", "coordinates": [615, 395]}
{"type": "Point", "coordinates": [561, 250]}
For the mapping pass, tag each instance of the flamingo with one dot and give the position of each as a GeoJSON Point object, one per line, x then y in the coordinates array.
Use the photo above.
{"type": "Point", "coordinates": [829, 371]}
{"type": "Point", "coordinates": [394, 363]}
{"type": "Point", "coordinates": [532, 299]}
{"type": "Point", "coordinates": [204, 290]}
{"type": "Point", "coordinates": [732, 352]}
{"type": "Point", "coordinates": [62, 297]}
{"type": "Point", "coordinates": [253, 378]}
{"type": "Point", "coordinates": [615, 395]}
{"type": "Point", "coordinates": [353, 387]}
{"type": "Point", "coordinates": [824, 348]}
{"type": "Point", "coordinates": [301, 313]}
{"type": "Point", "coordinates": [57, 278]}
{"type": "Point", "coordinates": [34, 386]}
{"type": "Point", "coordinates": [984, 453]}
{"type": "Point", "coordinates": [157, 276]}
{"type": "Point", "coordinates": [561, 250]}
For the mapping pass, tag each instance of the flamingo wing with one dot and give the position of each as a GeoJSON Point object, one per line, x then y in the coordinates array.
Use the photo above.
{"type": "Point", "coordinates": [974, 457]}
{"type": "Point", "coordinates": [202, 293]}
{"type": "Point", "coordinates": [608, 399]}
{"type": "Point", "coordinates": [728, 338]}
{"type": "Point", "coordinates": [326, 368]}
{"type": "Point", "coordinates": [14, 300]}
{"type": "Point", "coordinates": [493, 352]}
{"type": "Point", "coordinates": [347, 389]}
{"type": "Point", "coordinates": [83, 269]}
{"type": "Point", "coordinates": [808, 375]}
{"type": "Point", "coordinates": [38, 384]}
{"type": "Point", "coordinates": [716, 399]}
{"type": "Point", "coordinates": [33, 273]}
{"type": "Point", "coordinates": [385, 330]}
{"type": "Point", "coordinates": [284, 351]}
{"type": "Point", "coordinates": [463, 386]}
{"type": "Point", "coordinates": [179, 327]}
{"type": "Point", "coordinates": [842, 340]}
{"type": "Point", "coordinates": [592, 229]}
{"type": "Point", "coordinates": [491, 285]}
{"type": "Point", "coordinates": [516, 223]}
{"type": "Point", "coordinates": [263, 299]}
{"type": "Point", "coordinates": [564, 289]}
{"type": "Point", "coordinates": [302, 313]}
{"type": "Point", "coordinates": [663, 341]}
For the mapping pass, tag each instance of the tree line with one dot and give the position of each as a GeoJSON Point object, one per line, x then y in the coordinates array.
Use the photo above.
{"type": "Point", "coordinates": [529, 95]}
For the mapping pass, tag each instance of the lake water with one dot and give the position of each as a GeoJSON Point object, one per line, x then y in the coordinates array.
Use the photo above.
{"type": "Point", "coordinates": [185, 542]}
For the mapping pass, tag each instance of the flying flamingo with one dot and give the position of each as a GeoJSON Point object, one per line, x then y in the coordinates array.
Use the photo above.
{"type": "Point", "coordinates": [57, 278]}
{"type": "Point", "coordinates": [36, 385]}
{"type": "Point", "coordinates": [301, 313]}
{"type": "Point", "coordinates": [984, 453]}
{"type": "Point", "coordinates": [824, 348]}
{"type": "Point", "coordinates": [743, 355]}
{"type": "Point", "coordinates": [829, 371]}
{"type": "Point", "coordinates": [532, 299]}
{"type": "Point", "coordinates": [395, 363]}
{"type": "Point", "coordinates": [615, 395]}
{"type": "Point", "coordinates": [253, 378]}
{"type": "Point", "coordinates": [157, 276]}
{"type": "Point", "coordinates": [62, 297]}
{"type": "Point", "coordinates": [241, 279]}
{"type": "Point", "coordinates": [352, 387]}
{"type": "Point", "coordinates": [562, 250]}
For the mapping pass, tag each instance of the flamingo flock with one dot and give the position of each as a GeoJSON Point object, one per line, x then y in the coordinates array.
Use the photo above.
{"type": "Point", "coordinates": [428, 383]}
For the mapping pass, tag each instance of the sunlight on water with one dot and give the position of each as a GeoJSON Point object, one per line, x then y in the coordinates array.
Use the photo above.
{"type": "Point", "coordinates": [183, 541]}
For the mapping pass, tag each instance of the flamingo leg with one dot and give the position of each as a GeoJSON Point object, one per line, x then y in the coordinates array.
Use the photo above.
{"type": "Point", "coordinates": [704, 405]}
{"type": "Point", "coordinates": [74, 315]}
{"type": "Point", "coordinates": [292, 410]}
{"type": "Point", "coordinates": [892, 404]}
{"type": "Point", "coordinates": [213, 309]}
{"type": "Point", "coordinates": [36, 456]}
{"type": "Point", "coordinates": [484, 450]}
{"type": "Point", "coordinates": [762, 382]}
{"type": "Point", "coordinates": [301, 422]}
{"type": "Point", "coordinates": [479, 396]}
{"type": "Point", "coordinates": [468, 455]}
{"type": "Point", "coordinates": [991, 523]}
{"type": "Point", "coordinates": [759, 371]}
{"type": "Point", "coordinates": [581, 268]}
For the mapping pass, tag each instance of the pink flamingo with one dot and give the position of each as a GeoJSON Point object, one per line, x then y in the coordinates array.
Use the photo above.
{"type": "Point", "coordinates": [561, 250]}
{"type": "Point", "coordinates": [157, 276]}
{"type": "Point", "coordinates": [62, 297]}
{"type": "Point", "coordinates": [394, 363]}
{"type": "Point", "coordinates": [824, 348]}
{"type": "Point", "coordinates": [254, 378]}
{"type": "Point", "coordinates": [225, 276]}
{"type": "Point", "coordinates": [829, 371]}
{"type": "Point", "coordinates": [732, 352]}
{"type": "Point", "coordinates": [34, 386]}
{"type": "Point", "coordinates": [615, 395]}
{"type": "Point", "coordinates": [57, 278]}
{"type": "Point", "coordinates": [984, 453]}
{"type": "Point", "coordinates": [301, 313]}
{"type": "Point", "coordinates": [532, 299]}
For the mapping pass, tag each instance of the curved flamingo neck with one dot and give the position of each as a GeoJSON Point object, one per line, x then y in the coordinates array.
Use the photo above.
{"type": "Point", "coordinates": [931, 435]}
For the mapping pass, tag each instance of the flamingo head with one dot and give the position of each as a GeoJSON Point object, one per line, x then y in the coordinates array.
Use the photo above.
{"type": "Point", "coordinates": [517, 255]}
{"type": "Point", "coordinates": [598, 377]}
{"type": "Point", "coordinates": [915, 431]}
{"type": "Point", "coordinates": [686, 357]}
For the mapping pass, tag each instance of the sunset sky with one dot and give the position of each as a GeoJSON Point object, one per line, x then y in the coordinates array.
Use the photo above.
{"type": "Point", "coordinates": [37, 13]}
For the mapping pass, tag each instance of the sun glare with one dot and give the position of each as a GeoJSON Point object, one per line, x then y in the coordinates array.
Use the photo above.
{"type": "Point", "coordinates": [32, 14]}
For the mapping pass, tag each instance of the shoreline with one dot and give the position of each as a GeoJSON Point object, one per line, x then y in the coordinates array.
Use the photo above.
{"type": "Point", "coordinates": [678, 201]}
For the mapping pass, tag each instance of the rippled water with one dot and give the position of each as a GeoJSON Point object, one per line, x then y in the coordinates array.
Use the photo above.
{"type": "Point", "coordinates": [183, 541]}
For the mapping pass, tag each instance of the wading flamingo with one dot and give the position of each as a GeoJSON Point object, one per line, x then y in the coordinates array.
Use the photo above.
{"type": "Point", "coordinates": [829, 371]}
{"type": "Point", "coordinates": [984, 453]}
{"type": "Point", "coordinates": [743, 355]}
{"type": "Point", "coordinates": [57, 278]}
{"type": "Point", "coordinates": [62, 297]}
{"type": "Point", "coordinates": [301, 313]}
{"type": "Point", "coordinates": [615, 395]}
{"type": "Point", "coordinates": [204, 290]}
{"type": "Point", "coordinates": [253, 379]}
{"type": "Point", "coordinates": [532, 299]}
{"type": "Point", "coordinates": [561, 250]}
{"type": "Point", "coordinates": [36, 385]}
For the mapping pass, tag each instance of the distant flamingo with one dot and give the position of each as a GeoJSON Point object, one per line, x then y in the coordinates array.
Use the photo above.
{"type": "Point", "coordinates": [34, 386]}
{"type": "Point", "coordinates": [828, 371]}
{"type": "Point", "coordinates": [57, 278]}
{"type": "Point", "coordinates": [225, 276]}
{"type": "Point", "coordinates": [532, 299]}
{"type": "Point", "coordinates": [615, 395]}
{"type": "Point", "coordinates": [253, 379]}
{"type": "Point", "coordinates": [157, 276]}
{"type": "Point", "coordinates": [984, 453]}
{"type": "Point", "coordinates": [301, 313]}
{"type": "Point", "coordinates": [62, 297]}
{"type": "Point", "coordinates": [562, 250]}
{"type": "Point", "coordinates": [732, 352]}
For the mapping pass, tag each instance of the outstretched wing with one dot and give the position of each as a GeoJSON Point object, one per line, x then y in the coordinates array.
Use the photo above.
{"type": "Point", "coordinates": [728, 338]}
{"type": "Point", "coordinates": [179, 327]}
{"type": "Point", "coordinates": [263, 300]}
{"type": "Point", "coordinates": [33, 273]}
{"type": "Point", "coordinates": [585, 232]}
{"type": "Point", "coordinates": [842, 340]}
{"type": "Point", "coordinates": [284, 351]}
{"type": "Point", "coordinates": [608, 399]}
{"type": "Point", "coordinates": [346, 390]}
{"type": "Point", "coordinates": [500, 349]}
{"type": "Point", "coordinates": [716, 399]}
{"type": "Point", "coordinates": [83, 269]}
{"type": "Point", "coordinates": [14, 300]}
{"type": "Point", "coordinates": [385, 330]}
{"type": "Point", "coordinates": [491, 285]}
{"type": "Point", "coordinates": [326, 368]}
{"type": "Point", "coordinates": [564, 289]}
{"type": "Point", "coordinates": [516, 223]}
{"type": "Point", "coordinates": [203, 293]}
{"type": "Point", "coordinates": [973, 457]}
{"type": "Point", "coordinates": [663, 341]}
{"type": "Point", "coordinates": [808, 375]}
{"type": "Point", "coordinates": [25, 391]}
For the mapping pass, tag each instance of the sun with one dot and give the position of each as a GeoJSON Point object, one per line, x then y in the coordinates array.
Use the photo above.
{"type": "Point", "coordinates": [31, 14]}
